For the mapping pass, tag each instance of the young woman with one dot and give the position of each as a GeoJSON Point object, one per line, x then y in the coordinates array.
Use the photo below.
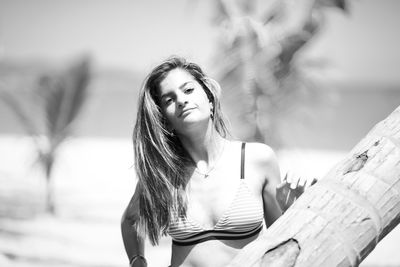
{"type": "Point", "coordinates": [211, 194]}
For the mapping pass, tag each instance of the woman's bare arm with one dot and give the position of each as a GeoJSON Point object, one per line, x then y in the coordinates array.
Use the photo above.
{"type": "Point", "coordinates": [133, 242]}
{"type": "Point", "coordinates": [265, 164]}
{"type": "Point", "coordinates": [272, 209]}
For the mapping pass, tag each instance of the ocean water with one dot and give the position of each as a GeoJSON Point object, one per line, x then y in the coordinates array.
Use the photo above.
{"type": "Point", "coordinates": [337, 123]}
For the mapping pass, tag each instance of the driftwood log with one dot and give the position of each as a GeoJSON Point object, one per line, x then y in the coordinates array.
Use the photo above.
{"type": "Point", "coordinates": [339, 220]}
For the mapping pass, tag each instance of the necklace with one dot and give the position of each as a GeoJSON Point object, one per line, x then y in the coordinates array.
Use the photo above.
{"type": "Point", "coordinates": [206, 174]}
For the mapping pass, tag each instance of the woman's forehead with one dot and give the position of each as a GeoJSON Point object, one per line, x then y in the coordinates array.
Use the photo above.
{"type": "Point", "coordinates": [176, 79]}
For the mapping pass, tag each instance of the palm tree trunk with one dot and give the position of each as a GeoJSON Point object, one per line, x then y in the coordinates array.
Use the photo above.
{"type": "Point", "coordinates": [50, 206]}
{"type": "Point", "coordinates": [340, 219]}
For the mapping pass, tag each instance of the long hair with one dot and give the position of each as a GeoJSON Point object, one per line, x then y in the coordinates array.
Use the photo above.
{"type": "Point", "coordinates": [160, 159]}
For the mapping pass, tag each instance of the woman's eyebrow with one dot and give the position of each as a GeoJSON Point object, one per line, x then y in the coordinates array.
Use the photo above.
{"type": "Point", "coordinates": [166, 95]}
{"type": "Point", "coordinates": [180, 88]}
{"type": "Point", "coordinates": [184, 84]}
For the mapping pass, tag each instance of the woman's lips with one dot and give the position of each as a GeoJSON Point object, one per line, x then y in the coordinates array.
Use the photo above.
{"type": "Point", "coordinates": [185, 112]}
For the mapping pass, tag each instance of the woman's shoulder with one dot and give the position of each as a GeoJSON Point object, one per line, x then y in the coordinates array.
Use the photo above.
{"type": "Point", "coordinates": [260, 152]}
{"type": "Point", "coordinates": [262, 160]}
{"type": "Point", "coordinates": [256, 152]}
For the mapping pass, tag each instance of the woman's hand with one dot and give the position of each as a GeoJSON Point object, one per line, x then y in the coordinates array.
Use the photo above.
{"type": "Point", "coordinates": [291, 189]}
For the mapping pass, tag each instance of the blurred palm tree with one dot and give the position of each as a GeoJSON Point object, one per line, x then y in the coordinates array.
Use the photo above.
{"type": "Point", "coordinates": [60, 97]}
{"type": "Point", "coordinates": [257, 59]}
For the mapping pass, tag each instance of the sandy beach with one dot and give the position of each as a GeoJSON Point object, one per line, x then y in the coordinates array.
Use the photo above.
{"type": "Point", "coordinates": [93, 181]}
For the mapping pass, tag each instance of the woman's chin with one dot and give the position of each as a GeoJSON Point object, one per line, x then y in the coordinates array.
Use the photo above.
{"type": "Point", "coordinates": [194, 122]}
{"type": "Point", "coordinates": [194, 118]}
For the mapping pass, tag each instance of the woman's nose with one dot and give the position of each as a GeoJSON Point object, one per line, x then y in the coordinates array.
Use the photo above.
{"type": "Point", "coordinates": [181, 100]}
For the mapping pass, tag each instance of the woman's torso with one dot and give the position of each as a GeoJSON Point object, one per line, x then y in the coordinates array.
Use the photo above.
{"type": "Point", "coordinates": [224, 213]}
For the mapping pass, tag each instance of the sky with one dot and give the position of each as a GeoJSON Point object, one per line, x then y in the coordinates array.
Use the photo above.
{"type": "Point", "coordinates": [133, 34]}
{"type": "Point", "coordinates": [121, 33]}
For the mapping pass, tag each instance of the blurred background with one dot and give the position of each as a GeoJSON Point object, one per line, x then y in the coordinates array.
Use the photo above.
{"type": "Point", "coordinates": [309, 78]}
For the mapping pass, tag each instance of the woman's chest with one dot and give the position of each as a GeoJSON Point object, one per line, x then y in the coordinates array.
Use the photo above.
{"type": "Point", "coordinates": [213, 202]}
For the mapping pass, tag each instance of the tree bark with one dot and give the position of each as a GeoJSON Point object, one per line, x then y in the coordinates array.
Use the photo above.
{"type": "Point", "coordinates": [339, 220]}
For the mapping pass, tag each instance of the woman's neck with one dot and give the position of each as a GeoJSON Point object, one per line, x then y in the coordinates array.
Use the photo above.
{"type": "Point", "coordinates": [204, 147]}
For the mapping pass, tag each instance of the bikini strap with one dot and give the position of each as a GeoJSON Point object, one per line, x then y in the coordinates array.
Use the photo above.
{"type": "Point", "coordinates": [242, 158]}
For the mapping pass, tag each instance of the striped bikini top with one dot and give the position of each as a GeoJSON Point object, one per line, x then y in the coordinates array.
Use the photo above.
{"type": "Point", "coordinates": [243, 219]}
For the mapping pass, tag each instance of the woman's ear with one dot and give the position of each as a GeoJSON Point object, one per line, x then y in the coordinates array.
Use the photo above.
{"type": "Point", "coordinates": [211, 110]}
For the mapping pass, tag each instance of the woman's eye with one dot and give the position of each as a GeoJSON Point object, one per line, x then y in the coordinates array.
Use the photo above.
{"type": "Point", "coordinates": [167, 101]}
{"type": "Point", "coordinates": [189, 90]}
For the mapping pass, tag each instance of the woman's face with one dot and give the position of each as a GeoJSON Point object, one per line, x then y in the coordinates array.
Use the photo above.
{"type": "Point", "coordinates": [183, 101]}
